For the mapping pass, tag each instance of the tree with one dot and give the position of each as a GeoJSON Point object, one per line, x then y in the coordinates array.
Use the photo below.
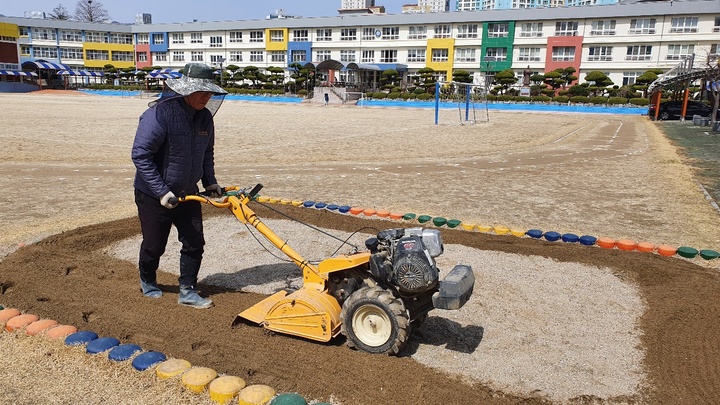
{"type": "Point", "coordinates": [59, 13]}
{"type": "Point", "coordinates": [462, 76]}
{"type": "Point", "coordinates": [643, 81]}
{"type": "Point", "coordinates": [427, 79]}
{"type": "Point", "coordinates": [89, 11]}
{"type": "Point", "coordinates": [389, 78]}
{"type": "Point", "coordinates": [711, 79]}
{"type": "Point", "coordinates": [505, 78]}
{"type": "Point", "coordinates": [597, 82]}
{"type": "Point", "coordinates": [252, 73]}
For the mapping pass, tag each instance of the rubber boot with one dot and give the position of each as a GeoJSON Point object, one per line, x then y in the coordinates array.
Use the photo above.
{"type": "Point", "coordinates": [150, 290]}
{"type": "Point", "coordinates": [189, 296]}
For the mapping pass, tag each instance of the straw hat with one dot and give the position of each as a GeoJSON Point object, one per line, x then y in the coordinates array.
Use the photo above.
{"type": "Point", "coordinates": [196, 77]}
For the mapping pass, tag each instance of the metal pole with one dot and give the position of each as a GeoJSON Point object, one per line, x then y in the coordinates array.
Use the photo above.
{"type": "Point", "coordinates": [437, 102]}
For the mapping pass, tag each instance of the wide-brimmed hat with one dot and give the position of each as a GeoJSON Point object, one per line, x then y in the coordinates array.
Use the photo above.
{"type": "Point", "coordinates": [196, 77]}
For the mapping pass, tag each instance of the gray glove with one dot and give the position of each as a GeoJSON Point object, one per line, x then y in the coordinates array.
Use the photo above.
{"type": "Point", "coordinates": [165, 201]}
{"type": "Point", "coordinates": [215, 190]}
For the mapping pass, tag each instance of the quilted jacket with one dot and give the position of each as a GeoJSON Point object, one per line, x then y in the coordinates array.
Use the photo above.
{"type": "Point", "coordinates": [174, 149]}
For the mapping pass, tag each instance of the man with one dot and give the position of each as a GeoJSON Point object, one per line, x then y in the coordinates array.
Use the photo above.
{"type": "Point", "coordinates": [173, 151]}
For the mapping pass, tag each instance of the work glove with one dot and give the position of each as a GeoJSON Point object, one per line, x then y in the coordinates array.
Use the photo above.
{"type": "Point", "coordinates": [214, 190]}
{"type": "Point", "coordinates": [165, 201]}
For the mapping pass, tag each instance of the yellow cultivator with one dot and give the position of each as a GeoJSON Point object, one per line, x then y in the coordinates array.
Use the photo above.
{"type": "Point", "coordinates": [373, 297]}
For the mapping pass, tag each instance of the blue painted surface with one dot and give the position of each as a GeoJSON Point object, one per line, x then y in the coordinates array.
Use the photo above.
{"type": "Point", "coordinates": [501, 106]}
{"type": "Point", "coordinates": [123, 352]}
{"type": "Point", "coordinates": [102, 344]}
{"type": "Point", "coordinates": [148, 359]}
{"type": "Point", "coordinates": [80, 338]}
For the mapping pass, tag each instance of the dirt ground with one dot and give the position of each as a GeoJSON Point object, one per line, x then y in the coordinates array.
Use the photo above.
{"type": "Point", "coordinates": [68, 186]}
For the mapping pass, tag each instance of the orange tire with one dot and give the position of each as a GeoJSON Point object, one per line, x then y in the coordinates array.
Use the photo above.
{"type": "Point", "coordinates": [645, 247]}
{"type": "Point", "coordinates": [369, 212]}
{"type": "Point", "coordinates": [626, 244]}
{"type": "Point", "coordinates": [666, 250]}
{"type": "Point", "coordinates": [356, 210]}
{"type": "Point", "coordinates": [396, 215]}
{"type": "Point", "coordinates": [40, 326]}
{"type": "Point", "coordinates": [20, 322]}
{"type": "Point", "coordinates": [383, 213]}
{"type": "Point", "coordinates": [60, 332]}
{"type": "Point", "coordinates": [606, 243]}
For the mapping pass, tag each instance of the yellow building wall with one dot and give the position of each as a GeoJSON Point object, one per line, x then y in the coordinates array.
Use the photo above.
{"type": "Point", "coordinates": [97, 46]}
{"type": "Point", "coordinates": [441, 43]}
{"type": "Point", "coordinates": [276, 46]}
{"type": "Point", "coordinates": [9, 30]}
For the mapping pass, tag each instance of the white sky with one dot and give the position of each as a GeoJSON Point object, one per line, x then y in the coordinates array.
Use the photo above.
{"type": "Point", "coordinates": [176, 11]}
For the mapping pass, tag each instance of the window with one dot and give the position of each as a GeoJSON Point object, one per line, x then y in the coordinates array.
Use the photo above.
{"type": "Point", "coordinates": [600, 53]}
{"type": "Point", "coordinates": [91, 36]}
{"type": "Point", "coordinates": [348, 34]}
{"type": "Point", "coordinates": [638, 52]}
{"type": "Point", "coordinates": [277, 56]}
{"type": "Point", "coordinates": [368, 34]}
{"type": "Point", "coordinates": [714, 49]}
{"type": "Point", "coordinates": [603, 27]}
{"type": "Point", "coordinates": [216, 42]}
{"type": "Point", "coordinates": [301, 35]}
{"type": "Point", "coordinates": [158, 39]}
{"type": "Point", "coordinates": [443, 31]}
{"type": "Point", "coordinates": [531, 30]}
{"type": "Point", "coordinates": [684, 24]}
{"type": "Point", "coordinates": [94, 54]}
{"type": "Point", "coordinates": [716, 28]}
{"type": "Point", "coordinates": [196, 38]}
{"type": "Point", "coordinates": [70, 36]}
{"type": "Point", "coordinates": [25, 50]}
{"type": "Point", "coordinates": [277, 36]}
{"type": "Point", "coordinates": [496, 30]}
{"type": "Point", "coordinates": [120, 56]}
{"type": "Point", "coordinates": [323, 35]}
{"type": "Point", "coordinates": [44, 34]}
{"type": "Point", "coordinates": [368, 57]}
{"type": "Point", "coordinates": [467, 31]}
{"type": "Point", "coordinates": [143, 39]}
{"type": "Point", "coordinates": [629, 77]}
{"type": "Point", "coordinates": [642, 26]}
{"type": "Point", "coordinates": [298, 56]}
{"type": "Point", "coordinates": [529, 54]}
{"type": "Point", "coordinates": [257, 56]}
{"type": "Point", "coordinates": [416, 55]}
{"type": "Point", "coordinates": [679, 52]}
{"type": "Point", "coordinates": [45, 52]}
{"type": "Point", "coordinates": [24, 31]}
{"type": "Point", "coordinates": [236, 56]}
{"type": "Point", "coordinates": [159, 56]}
{"type": "Point", "coordinates": [322, 55]}
{"type": "Point", "coordinates": [439, 55]}
{"type": "Point", "coordinates": [217, 59]}
{"type": "Point", "coordinates": [256, 36]}
{"type": "Point", "coordinates": [196, 56]}
{"type": "Point", "coordinates": [388, 56]}
{"type": "Point", "coordinates": [417, 32]}
{"type": "Point", "coordinates": [178, 56]}
{"type": "Point", "coordinates": [178, 38]}
{"type": "Point", "coordinates": [563, 53]}
{"type": "Point", "coordinates": [496, 54]}
{"type": "Point", "coordinates": [391, 33]}
{"type": "Point", "coordinates": [71, 53]}
{"type": "Point", "coordinates": [347, 56]}
{"type": "Point", "coordinates": [465, 55]}
{"type": "Point", "coordinates": [235, 36]}
{"type": "Point", "coordinates": [566, 28]}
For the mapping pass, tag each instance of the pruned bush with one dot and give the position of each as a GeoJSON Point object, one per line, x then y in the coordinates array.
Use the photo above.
{"type": "Point", "coordinates": [541, 99]}
{"type": "Point", "coordinates": [579, 100]}
{"type": "Point", "coordinates": [393, 96]}
{"type": "Point", "coordinates": [379, 95]}
{"type": "Point", "coordinates": [561, 99]}
{"type": "Point", "coordinates": [425, 96]}
{"type": "Point", "coordinates": [617, 101]}
{"type": "Point", "coordinates": [598, 100]}
{"type": "Point", "coordinates": [639, 101]}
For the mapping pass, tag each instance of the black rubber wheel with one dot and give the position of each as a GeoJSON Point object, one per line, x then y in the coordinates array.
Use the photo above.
{"type": "Point", "coordinates": [375, 321]}
{"type": "Point", "coordinates": [664, 115]}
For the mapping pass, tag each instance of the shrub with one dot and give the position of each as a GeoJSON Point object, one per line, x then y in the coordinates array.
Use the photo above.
{"type": "Point", "coordinates": [425, 96]}
{"type": "Point", "coordinates": [542, 99]}
{"type": "Point", "coordinates": [491, 97]}
{"type": "Point", "coordinates": [504, 98]}
{"type": "Point", "coordinates": [579, 99]}
{"type": "Point", "coordinates": [302, 92]}
{"type": "Point", "coordinates": [393, 96]}
{"type": "Point", "coordinates": [598, 100]}
{"type": "Point", "coordinates": [521, 99]}
{"type": "Point", "coordinates": [617, 100]}
{"type": "Point", "coordinates": [561, 99]}
{"type": "Point", "coordinates": [407, 96]}
{"type": "Point", "coordinates": [379, 95]}
{"type": "Point", "coordinates": [639, 101]}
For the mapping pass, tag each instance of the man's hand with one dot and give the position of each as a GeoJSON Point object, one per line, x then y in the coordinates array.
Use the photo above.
{"type": "Point", "coordinates": [165, 201]}
{"type": "Point", "coordinates": [214, 190]}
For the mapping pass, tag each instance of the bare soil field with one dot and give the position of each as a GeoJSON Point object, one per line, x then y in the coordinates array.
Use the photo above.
{"type": "Point", "coordinates": [549, 322]}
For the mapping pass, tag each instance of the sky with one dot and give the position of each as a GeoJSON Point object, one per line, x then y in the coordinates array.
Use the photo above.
{"type": "Point", "coordinates": [124, 11]}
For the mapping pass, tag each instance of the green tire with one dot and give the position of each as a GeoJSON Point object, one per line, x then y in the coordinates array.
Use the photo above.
{"type": "Point", "coordinates": [687, 252]}
{"type": "Point", "coordinates": [705, 254]}
{"type": "Point", "coordinates": [439, 221]}
{"type": "Point", "coordinates": [424, 218]}
{"type": "Point", "coordinates": [409, 216]}
{"type": "Point", "coordinates": [453, 223]}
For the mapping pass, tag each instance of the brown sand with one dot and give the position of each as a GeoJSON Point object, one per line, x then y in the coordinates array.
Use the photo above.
{"type": "Point", "coordinates": [602, 175]}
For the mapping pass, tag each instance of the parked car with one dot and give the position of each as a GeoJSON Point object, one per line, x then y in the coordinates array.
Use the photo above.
{"type": "Point", "coordinates": [672, 109]}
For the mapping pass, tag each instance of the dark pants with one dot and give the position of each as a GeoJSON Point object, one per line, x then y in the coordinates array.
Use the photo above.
{"type": "Point", "coordinates": [155, 223]}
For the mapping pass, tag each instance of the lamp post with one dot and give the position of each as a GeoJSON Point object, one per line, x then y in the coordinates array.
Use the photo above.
{"type": "Point", "coordinates": [221, 60]}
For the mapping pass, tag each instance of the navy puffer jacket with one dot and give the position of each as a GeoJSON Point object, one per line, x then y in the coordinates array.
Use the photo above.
{"type": "Point", "coordinates": [174, 149]}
